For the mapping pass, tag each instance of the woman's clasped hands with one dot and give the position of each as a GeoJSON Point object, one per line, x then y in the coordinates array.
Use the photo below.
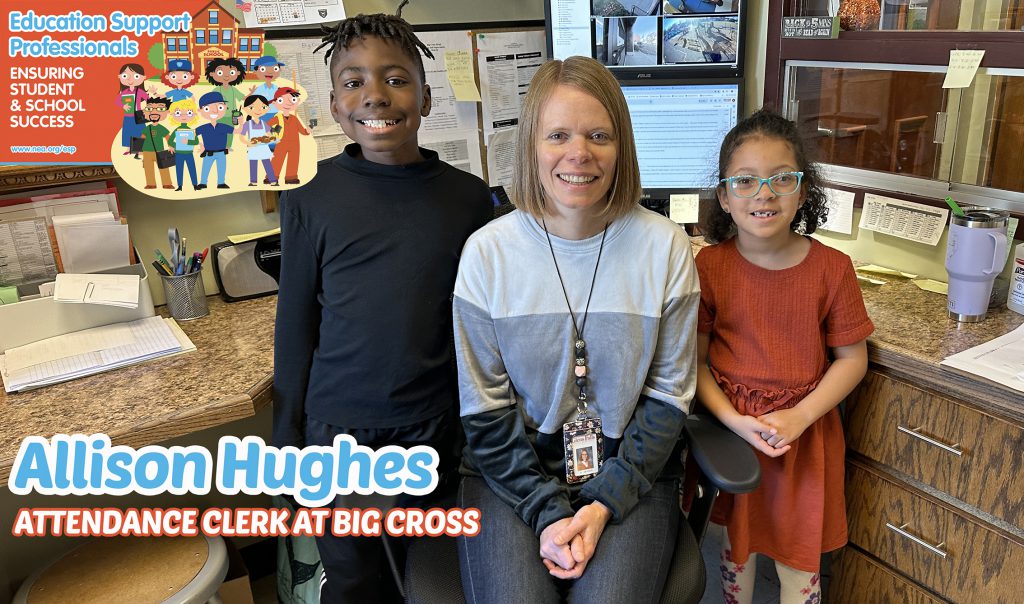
{"type": "Point", "coordinates": [567, 545]}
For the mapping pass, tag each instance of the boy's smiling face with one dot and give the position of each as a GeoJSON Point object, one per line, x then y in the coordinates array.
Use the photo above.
{"type": "Point", "coordinates": [378, 98]}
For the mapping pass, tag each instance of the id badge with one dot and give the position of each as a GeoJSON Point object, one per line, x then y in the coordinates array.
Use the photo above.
{"type": "Point", "coordinates": [584, 449]}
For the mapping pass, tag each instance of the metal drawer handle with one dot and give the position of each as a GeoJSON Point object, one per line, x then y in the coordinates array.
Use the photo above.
{"type": "Point", "coordinates": [916, 433]}
{"type": "Point", "coordinates": [932, 548]}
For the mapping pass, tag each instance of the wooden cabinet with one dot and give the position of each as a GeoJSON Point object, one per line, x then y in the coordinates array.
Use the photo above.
{"type": "Point", "coordinates": [859, 578]}
{"type": "Point", "coordinates": [935, 499]}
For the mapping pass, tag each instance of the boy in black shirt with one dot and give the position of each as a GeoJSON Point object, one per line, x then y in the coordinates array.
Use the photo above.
{"type": "Point", "coordinates": [370, 252]}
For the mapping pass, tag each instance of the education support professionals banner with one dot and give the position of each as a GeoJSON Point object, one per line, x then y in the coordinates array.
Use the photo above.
{"type": "Point", "coordinates": [152, 89]}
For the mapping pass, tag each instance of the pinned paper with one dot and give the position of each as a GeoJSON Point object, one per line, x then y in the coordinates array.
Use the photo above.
{"type": "Point", "coordinates": [682, 208]}
{"type": "Point", "coordinates": [931, 285]}
{"type": "Point", "coordinates": [963, 64]}
{"type": "Point", "coordinates": [459, 65]}
{"type": "Point", "coordinates": [903, 219]}
{"type": "Point", "coordinates": [840, 211]}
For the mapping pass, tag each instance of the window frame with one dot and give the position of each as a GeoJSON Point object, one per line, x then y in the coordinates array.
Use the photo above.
{"type": "Point", "coordinates": [891, 47]}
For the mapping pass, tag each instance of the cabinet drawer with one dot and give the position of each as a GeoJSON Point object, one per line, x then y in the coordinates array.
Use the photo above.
{"type": "Point", "coordinates": [950, 554]}
{"type": "Point", "coordinates": [858, 579]}
{"type": "Point", "coordinates": [973, 457]}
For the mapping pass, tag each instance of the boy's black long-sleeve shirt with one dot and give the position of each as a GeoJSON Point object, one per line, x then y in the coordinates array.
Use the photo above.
{"type": "Point", "coordinates": [369, 258]}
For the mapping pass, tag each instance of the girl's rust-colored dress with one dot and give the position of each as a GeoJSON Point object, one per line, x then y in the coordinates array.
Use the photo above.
{"type": "Point", "coordinates": [771, 332]}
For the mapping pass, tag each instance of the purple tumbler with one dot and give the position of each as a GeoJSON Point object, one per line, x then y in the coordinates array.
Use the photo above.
{"type": "Point", "coordinates": [975, 253]}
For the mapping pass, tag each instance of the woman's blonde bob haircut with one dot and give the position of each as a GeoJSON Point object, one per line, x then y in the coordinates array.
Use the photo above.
{"type": "Point", "coordinates": [590, 77]}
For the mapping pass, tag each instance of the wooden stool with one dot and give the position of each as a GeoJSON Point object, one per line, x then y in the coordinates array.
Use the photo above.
{"type": "Point", "coordinates": [136, 570]}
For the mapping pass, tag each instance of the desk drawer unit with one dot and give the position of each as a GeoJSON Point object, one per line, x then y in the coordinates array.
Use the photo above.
{"type": "Point", "coordinates": [859, 579]}
{"type": "Point", "coordinates": [941, 548]}
{"type": "Point", "coordinates": [969, 455]}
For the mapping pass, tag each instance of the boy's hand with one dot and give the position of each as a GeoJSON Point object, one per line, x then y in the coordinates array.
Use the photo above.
{"type": "Point", "coordinates": [757, 432]}
{"type": "Point", "coordinates": [787, 424]}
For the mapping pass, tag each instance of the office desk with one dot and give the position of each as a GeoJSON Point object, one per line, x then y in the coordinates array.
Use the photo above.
{"type": "Point", "coordinates": [935, 463]}
{"type": "Point", "coordinates": [226, 379]}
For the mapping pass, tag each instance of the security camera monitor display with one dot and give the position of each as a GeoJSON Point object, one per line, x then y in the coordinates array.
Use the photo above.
{"type": "Point", "coordinates": [638, 38]}
{"type": "Point", "coordinates": [699, 7]}
{"type": "Point", "coordinates": [700, 39]}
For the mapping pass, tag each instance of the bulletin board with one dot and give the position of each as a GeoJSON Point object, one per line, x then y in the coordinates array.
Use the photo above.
{"type": "Point", "coordinates": [476, 136]}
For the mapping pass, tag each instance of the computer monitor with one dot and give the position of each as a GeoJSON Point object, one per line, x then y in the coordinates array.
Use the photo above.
{"type": "Point", "coordinates": [643, 39]}
{"type": "Point", "coordinates": [678, 127]}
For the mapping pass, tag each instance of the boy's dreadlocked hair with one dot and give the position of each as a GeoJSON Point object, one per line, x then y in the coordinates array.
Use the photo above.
{"type": "Point", "coordinates": [385, 27]}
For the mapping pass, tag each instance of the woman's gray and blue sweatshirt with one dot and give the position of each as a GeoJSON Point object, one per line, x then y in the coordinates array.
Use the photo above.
{"type": "Point", "coordinates": [514, 343]}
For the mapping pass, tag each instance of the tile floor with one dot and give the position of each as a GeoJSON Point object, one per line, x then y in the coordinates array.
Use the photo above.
{"type": "Point", "coordinates": [766, 588]}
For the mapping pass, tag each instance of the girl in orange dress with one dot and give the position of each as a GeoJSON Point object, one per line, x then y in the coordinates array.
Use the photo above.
{"type": "Point", "coordinates": [782, 326]}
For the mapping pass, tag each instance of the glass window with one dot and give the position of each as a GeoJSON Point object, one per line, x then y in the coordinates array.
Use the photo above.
{"type": "Point", "coordinates": [255, 44]}
{"type": "Point", "coordinates": [989, 131]}
{"type": "Point", "coordinates": [200, 36]}
{"type": "Point", "coordinates": [214, 15]}
{"type": "Point", "coordinates": [183, 44]}
{"type": "Point", "coordinates": [899, 120]}
{"type": "Point", "coordinates": [227, 36]}
{"type": "Point", "coordinates": [172, 45]}
{"type": "Point", "coordinates": [875, 119]}
{"type": "Point", "coordinates": [243, 44]}
{"type": "Point", "coordinates": [214, 36]}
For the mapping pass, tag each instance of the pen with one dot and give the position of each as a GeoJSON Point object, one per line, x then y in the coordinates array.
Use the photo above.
{"type": "Point", "coordinates": [181, 267]}
{"type": "Point", "coordinates": [160, 268]}
{"type": "Point", "coordinates": [164, 262]}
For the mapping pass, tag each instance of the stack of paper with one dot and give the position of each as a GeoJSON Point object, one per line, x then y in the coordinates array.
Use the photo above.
{"type": "Point", "coordinates": [90, 351]}
{"type": "Point", "coordinates": [1000, 360]}
{"type": "Point", "coordinates": [108, 290]}
{"type": "Point", "coordinates": [91, 242]}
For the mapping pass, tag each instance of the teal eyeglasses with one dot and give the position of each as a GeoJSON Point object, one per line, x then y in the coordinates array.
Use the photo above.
{"type": "Point", "coordinates": [783, 183]}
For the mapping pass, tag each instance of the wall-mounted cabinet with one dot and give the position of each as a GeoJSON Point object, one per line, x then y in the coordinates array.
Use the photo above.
{"type": "Point", "coordinates": [877, 121]}
{"type": "Point", "coordinates": [873, 106]}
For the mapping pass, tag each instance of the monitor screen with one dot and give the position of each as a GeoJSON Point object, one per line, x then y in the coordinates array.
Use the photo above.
{"type": "Point", "coordinates": [639, 38]}
{"type": "Point", "coordinates": [678, 128]}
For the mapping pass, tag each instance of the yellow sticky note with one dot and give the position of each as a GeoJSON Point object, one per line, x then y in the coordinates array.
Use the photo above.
{"type": "Point", "coordinates": [236, 239]}
{"type": "Point", "coordinates": [963, 64]}
{"type": "Point", "coordinates": [682, 208]}
{"type": "Point", "coordinates": [459, 66]}
{"type": "Point", "coordinates": [931, 285]}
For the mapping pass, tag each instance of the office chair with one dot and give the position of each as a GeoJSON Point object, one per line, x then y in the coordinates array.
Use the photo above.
{"type": "Point", "coordinates": [724, 463]}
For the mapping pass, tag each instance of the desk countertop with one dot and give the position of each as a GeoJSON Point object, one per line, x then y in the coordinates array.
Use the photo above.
{"type": "Point", "coordinates": [913, 335]}
{"type": "Point", "coordinates": [229, 376]}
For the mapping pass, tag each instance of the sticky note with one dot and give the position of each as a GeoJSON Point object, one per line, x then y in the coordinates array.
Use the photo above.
{"type": "Point", "coordinates": [459, 66]}
{"type": "Point", "coordinates": [881, 270]}
{"type": "Point", "coordinates": [682, 208]}
{"type": "Point", "coordinates": [963, 64]}
{"type": "Point", "coordinates": [931, 285]}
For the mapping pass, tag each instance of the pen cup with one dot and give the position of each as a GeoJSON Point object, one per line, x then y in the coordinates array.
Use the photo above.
{"type": "Point", "coordinates": [186, 295]}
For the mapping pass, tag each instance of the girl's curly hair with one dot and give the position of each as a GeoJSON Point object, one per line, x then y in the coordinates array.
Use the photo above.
{"type": "Point", "coordinates": [719, 225]}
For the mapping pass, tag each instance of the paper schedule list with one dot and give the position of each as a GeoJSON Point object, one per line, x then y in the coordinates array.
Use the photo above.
{"type": "Point", "coordinates": [903, 219]}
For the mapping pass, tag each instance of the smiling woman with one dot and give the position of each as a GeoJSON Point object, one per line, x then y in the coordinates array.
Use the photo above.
{"type": "Point", "coordinates": [613, 386]}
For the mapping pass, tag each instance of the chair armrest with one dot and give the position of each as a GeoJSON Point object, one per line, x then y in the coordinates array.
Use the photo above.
{"type": "Point", "coordinates": [725, 459]}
